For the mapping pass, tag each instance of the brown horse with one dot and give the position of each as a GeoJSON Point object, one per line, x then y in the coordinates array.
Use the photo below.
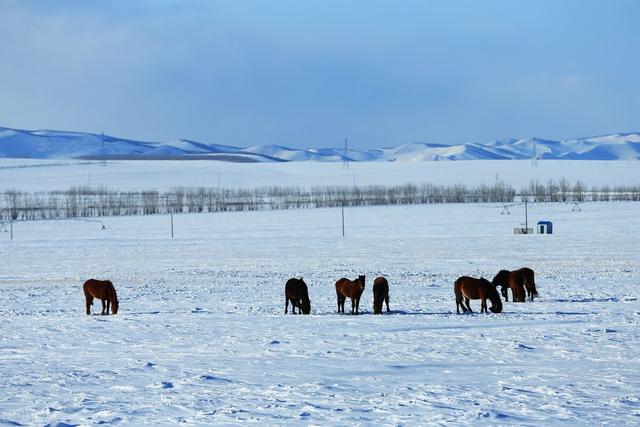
{"type": "Point", "coordinates": [472, 288]}
{"type": "Point", "coordinates": [104, 291]}
{"type": "Point", "coordinates": [295, 290]}
{"type": "Point", "coordinates": [353, 289]}
{"type": "Point", "coordinates": [380, 294]}
{"type": "Point", "coordinates": [519, 281]}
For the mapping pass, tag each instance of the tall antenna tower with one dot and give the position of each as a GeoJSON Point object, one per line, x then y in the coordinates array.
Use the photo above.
{"type": "Point", "coordinates": [345, 163]}
{"type": "Point", "coordinates": [534, 155]}
{"type": "Point", "coordinates": [103, 153]}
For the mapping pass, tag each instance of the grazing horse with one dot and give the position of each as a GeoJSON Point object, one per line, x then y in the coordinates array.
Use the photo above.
{"type": "Point", "coordinates": [353, 289]}
{"type": "Point", "coordinates": [104, 291]}
{"type": "Point", "coordinates": [296, 291]}
{"type": "Point", "coordinates": [380, 294]}
{"type": "Point", "coordinates": [472, 288]}
{"type": "Point", "coordinates": [519, 281]}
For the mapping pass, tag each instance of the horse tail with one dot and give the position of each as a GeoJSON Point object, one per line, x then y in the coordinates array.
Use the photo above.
{"type": "Point", "coordinates": [87, 294]}
{"type": "Point", "coordinates": [532, 283]}
{"type": "Point", "coordinates": [534, 291]}
{"type": "Point", "coordinates": [457, 290]}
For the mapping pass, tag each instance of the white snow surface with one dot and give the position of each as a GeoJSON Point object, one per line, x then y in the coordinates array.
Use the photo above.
{"type": "Point", "coordinates": [45, 175]}
{"type": "Point", "coordinates": [201, 337]}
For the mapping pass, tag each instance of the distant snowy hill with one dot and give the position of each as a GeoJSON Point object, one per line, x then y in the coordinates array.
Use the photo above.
{"type": "Point", "coordinates": [50, 144]}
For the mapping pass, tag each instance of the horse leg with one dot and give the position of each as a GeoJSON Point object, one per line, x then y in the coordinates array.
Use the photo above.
{"type": "Point", "coordinates": [108, 306]}
{"type": "Point", "coordinates": [505, 293]}
{"type": "Point", "coordinates": [104, 306]}
{"type": "Point", "coordinates": [286, 304]}
{"type": "Point", "coordinates": [89, 300]}
{"type": "Point", "coordinates": [468, 306]}
{"type": "Point", "coordinates": [529, 289]}
{"type": "Point", "coordinates": [483, 305]}
{"type": "Point", "coordinates": [386, 299]}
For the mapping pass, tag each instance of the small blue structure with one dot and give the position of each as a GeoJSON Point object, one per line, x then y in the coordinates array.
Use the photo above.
{"type": "Point", "coordinates": [545, 227]}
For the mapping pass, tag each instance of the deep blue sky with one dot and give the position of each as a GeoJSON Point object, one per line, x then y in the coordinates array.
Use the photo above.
{"type": "Point", "coordinates": [310, 73]}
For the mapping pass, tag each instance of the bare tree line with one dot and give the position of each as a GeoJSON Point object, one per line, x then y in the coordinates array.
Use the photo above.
{"type": "Point", "coordinates": [83, 202]}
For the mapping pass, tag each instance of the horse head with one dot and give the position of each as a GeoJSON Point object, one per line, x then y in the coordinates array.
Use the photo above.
{"type": "Point", "coordinates": [361, 279]}
{"type": "Point", "coordinates": [492, 294]}
{"type": "Point", "coordinates": [305, 302]}
{"type": "Point", "coordinates": [305, 305]}
{"type": "Point", "coordinates": [114, 306]}
{"type": "Point", "coordinates": [502, 280]}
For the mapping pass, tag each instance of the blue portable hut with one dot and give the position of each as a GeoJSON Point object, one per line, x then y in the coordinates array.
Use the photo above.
{"type": "Point", "coordinates": [545, 227]}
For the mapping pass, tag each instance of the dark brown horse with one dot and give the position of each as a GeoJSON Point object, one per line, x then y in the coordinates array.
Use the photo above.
{"type": "Point", "coordinates": [296, 291]}
{"type": "Point", "coordinates": [380, 294]}
{"type": "Point", "coordinates": [353, 289]}
{"type": "Point", "coordinates": [519, 281]}
{"type": "Point", "coordinates": [102, 290]}
{"type": "Point", "coordinates": [471, 288]}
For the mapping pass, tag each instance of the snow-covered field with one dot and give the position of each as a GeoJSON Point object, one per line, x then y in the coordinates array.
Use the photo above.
{"type": "Point", "coordinates": [201, 336]}
{"type": "Point", "coordinates": [45, 175]}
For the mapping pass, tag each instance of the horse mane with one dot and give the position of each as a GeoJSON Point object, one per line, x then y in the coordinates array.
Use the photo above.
{"type": "Point", "coordinates": [304, 290]}
{"type": "Point", "coordinates": [501, 276]}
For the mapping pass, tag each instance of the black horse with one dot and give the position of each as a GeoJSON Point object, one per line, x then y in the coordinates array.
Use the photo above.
{"type": "Point", "coordinates": [296, 291]}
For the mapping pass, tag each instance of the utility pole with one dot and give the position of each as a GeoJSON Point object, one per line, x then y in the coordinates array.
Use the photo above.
{"type": "Point", "coordinates": [103, 160]}
{"type": "Point", "coordinates": [345, 163]}
{"type": "Point", "coordinates": [343, 219]}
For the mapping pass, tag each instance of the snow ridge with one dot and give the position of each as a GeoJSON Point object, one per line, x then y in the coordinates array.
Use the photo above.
{"type": "Point", "coordinates": [52, 144]}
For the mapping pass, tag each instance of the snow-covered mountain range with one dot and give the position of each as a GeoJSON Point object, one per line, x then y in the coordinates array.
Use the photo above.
{"type": "Point", "coordinates": [51, 144]}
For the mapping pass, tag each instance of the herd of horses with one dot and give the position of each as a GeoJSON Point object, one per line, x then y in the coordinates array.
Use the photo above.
{"type": "Point", "coordinates": [521, 282]}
